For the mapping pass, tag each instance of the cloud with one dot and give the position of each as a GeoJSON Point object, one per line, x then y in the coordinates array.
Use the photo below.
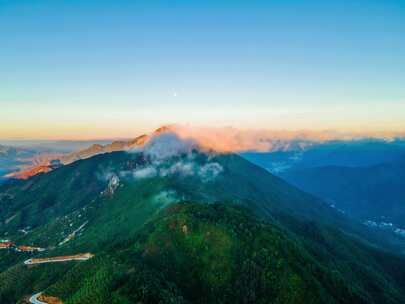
{"type": "Point", "coordinates": [167, 145]}
{"type": "Point", "coordinates": [146, 172]}
{"type": "Point", "coordinates": [183, 168]}
{"type": "Point", "coordinates": [210, 171]}
{"type": "Point", "coordinates": [167, 155]}
{"type": "Point", "coordinates": [228, 139]}
{"type": "Point", "coordinates": [225, 140]}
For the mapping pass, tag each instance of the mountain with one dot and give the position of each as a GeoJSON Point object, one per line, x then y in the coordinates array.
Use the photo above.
{"type": "Point", "coordinates": [23, 159]}
{"type": "Point", "coordinates": [375, 193]}
{"type": "Point", "coordinates": [175, 222]}
{"type": "Point", "coordinates": [202, 253]}
{"type": "Point", "coordinates": [99, 149]}
{"type": "Point", "coordinates": [44, 162]}
{"type": "Point", "coordinates": [278, 150]}
{"type": "Point", "coordinates": [362, 178]}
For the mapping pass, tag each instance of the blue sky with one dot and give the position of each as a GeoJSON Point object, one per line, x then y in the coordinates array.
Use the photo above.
{"type": "Point", "coordinates": [85, 69]}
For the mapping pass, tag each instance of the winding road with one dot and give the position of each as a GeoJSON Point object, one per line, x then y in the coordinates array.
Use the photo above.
{"type": "Point", "coordinates": [77, 257]}
{"type": "Point", "coordinates": [34, 299]}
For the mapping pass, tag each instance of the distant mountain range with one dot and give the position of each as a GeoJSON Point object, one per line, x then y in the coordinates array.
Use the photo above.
{"type": "Point", "coordinates": [45, 162]}
{"type": "Point", "coordinates": [171, 221]}
{"type": "Point", "coordinates": [364, 179]}
{"type": "Point", "coordinates": [274, 150]}
{"type": "Point", "coordinates": [374, 193]}
{"type": "Point", "coordinates": [22, 158]}
{"type": "Point", "coordinates": [352, 153]}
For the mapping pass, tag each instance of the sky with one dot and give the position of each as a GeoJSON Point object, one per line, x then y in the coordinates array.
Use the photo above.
{"type": "Point", "coordinates": [102, 69]}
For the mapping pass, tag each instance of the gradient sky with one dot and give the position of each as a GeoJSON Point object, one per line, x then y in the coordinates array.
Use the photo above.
{"type": "Point", "coordinates": [98, 69]}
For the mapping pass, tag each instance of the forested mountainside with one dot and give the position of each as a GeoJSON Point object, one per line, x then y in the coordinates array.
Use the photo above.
{"type": "Point", "coordinates": [161, 227]}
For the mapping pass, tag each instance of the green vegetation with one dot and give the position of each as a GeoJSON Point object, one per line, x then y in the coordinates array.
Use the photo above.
{"type": "Point", "coordinates": [247, 237]}
{"type": "Point", "coordinates": [205, 254]}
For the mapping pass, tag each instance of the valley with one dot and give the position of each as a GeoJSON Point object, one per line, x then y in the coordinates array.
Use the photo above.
{"type": "Point", "coordinates": [364, 179]}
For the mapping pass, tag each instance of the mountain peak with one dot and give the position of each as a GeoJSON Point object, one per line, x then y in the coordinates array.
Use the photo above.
{"type": "Point", "coordinates": [165, 129]}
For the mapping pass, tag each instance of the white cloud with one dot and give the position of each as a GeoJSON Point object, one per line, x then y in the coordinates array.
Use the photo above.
{"type": "Point", "coordinates": [210, 171]}
{"type": "Point", "coordinates": [179, 168]}
{"type": "Point", "coordinates": [167, 145]}
{"type": "Point", "coordinates": [167, 154]}
{"type": "Point", "coordinates": [146, 172]}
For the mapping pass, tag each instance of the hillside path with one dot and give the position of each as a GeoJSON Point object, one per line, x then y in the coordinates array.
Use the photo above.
{"type": "Point", "coordinates": [34, 299]}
